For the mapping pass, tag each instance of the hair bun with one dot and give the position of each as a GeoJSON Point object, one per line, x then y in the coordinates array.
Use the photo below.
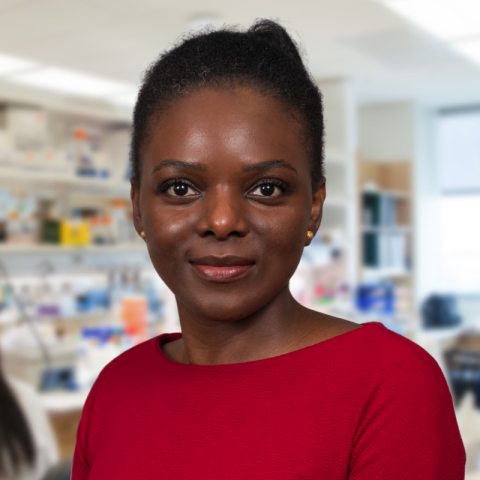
{"type": "Point", "coordinates": [277, 36]}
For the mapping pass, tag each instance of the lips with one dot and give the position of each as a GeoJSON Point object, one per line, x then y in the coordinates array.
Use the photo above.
{"type": "Point", "coordinates": [222, 269]}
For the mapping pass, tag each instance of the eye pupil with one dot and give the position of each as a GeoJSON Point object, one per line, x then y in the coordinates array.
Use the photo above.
{"type": "Point", "coordinates": [267, 189]}
{"type": "Point", "coordinates": [180, 189]}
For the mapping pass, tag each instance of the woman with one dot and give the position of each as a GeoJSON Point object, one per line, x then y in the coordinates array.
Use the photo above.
{"type": "Point", "coordinates": [227, 190]}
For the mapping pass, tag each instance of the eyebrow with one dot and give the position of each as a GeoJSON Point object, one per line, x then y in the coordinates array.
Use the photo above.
{"type": "Point", "coordinates": [179, 164]}
{"type": "Point", "coordinates": [268, 165]}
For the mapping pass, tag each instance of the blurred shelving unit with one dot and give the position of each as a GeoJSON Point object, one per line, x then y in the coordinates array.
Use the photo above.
{"type": "Point", "coordinates": [384, 192]}
{"type": "Point", "coordinates": [62, 111]}
{"type": "Point", "coordinates": [29, 262]}
{"type": "Point", "coordinates": [45, 249]}
{"type": "Point", "coordinates": [39, 177]}
{"type": "Point", "coordinates": [387, 203]}
{"type": "Point", "coordinates": [325, 277]}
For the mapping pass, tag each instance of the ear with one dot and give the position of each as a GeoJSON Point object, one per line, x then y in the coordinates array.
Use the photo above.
{"type": "Point", "coordinates": [317, 209]}
{"type": "Point", "coordinates": [137, 218]}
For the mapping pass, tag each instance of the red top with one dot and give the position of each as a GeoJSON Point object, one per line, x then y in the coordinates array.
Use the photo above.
{"type": "Point", "coordinates": [368, 404]}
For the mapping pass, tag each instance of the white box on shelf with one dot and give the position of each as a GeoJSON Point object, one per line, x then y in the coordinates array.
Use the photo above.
{"type": "Point", "coordinates": [26, 126]}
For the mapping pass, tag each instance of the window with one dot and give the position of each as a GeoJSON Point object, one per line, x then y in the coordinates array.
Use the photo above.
{"type": "Point", "coordinates": [460, 243]}
{"type": "Point", "coordinates": [458, 153]}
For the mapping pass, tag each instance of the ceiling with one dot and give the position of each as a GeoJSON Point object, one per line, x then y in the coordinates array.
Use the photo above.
{"type": "Point", "coordinates": [384, 56]}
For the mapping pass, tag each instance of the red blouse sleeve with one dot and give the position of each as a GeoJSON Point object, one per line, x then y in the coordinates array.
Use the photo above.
{"type": "Point", "coordinates": [409, 429]}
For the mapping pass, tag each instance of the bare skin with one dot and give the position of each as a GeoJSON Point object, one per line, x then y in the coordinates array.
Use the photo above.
{"type": "Point", "coordinates": [225, 201]}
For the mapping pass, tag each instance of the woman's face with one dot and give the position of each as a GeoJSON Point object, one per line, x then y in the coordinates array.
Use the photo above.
{"type": "Point", "coordinates": [225, 201]}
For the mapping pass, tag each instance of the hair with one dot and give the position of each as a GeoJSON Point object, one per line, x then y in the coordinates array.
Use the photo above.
{"type": "Point", "coordinates": [263, 58]}
{"type": "Point", "coordinates": [16, 441]}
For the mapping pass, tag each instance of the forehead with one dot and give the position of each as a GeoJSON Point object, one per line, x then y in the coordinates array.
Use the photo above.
{"type": "Point", "coordinates": [237, 123]}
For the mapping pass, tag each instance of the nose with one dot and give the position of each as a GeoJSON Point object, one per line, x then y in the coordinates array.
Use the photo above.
{"type": "Point", "coordinates": [223, 215]}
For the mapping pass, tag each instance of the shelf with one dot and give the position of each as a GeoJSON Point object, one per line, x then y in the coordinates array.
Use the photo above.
{"type": "Point", "coordinates": [390, 193]}
{"type": "Point", "coordinates": [63, 401]}
{"type": "Point", "coordinates": [384, 273]}
{"type": "Point", "coordinates": [45, 249]}
{"type": "Point", "coordinates": [99, 316]}
{"type": "Point", "coordinates": [45, 177]}
{"type": "Point", "coordinates": [440, 334]}
{"type": "Point", "coordinates": [392, 229]}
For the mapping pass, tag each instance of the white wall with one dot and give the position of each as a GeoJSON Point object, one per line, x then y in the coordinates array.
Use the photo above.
{"type": "Point", "coordinates": [426, 213]}
{"type": "Point", "coordinates": [386, 132]}
{"type": "Point", "coordinates": [339, 105]}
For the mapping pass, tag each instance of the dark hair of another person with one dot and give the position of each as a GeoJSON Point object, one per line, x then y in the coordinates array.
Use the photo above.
{"type": "Point", "coordinates": [15, 436]}
{"type": "Point", "coordinates": [263, 58]}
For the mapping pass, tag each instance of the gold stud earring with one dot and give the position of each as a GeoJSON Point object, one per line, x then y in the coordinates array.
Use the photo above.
{"type": "Point", "coordinates": [142, 235]}
{"type": "Point", "coordinates": [310, 235]}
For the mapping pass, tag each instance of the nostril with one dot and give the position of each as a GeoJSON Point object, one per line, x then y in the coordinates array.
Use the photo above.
{"type": "Point", "coordinates": [211, 233]}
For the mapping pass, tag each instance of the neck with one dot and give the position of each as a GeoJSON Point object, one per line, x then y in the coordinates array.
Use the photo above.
{"type": "Point", "coordinates": [273, 330]}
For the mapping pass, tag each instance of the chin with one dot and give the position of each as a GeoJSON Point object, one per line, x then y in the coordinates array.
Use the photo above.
{"type": "Point", "coordinates": [234, 307]}
{"type": "Point", "coordinates": [222, 311]}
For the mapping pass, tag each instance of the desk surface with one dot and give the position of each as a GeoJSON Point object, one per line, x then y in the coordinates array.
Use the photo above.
{"type": "Point", "coordinates": [61, 402]}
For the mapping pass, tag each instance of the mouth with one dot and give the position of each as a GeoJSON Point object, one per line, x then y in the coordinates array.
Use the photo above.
{"type": "Point", "coordinates": [222, 269]}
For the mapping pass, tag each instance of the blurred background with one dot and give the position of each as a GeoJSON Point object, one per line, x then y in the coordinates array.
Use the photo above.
{"type": "Point", "coordinates": [400, 238]}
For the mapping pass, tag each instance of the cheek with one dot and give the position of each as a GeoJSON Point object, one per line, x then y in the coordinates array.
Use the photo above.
{"type": "Point", "coordinates": [167, 232]}
{"type": "Point", "coordinates": [167, 227]}
{"type": "Point", "coordinates": [284, 231]}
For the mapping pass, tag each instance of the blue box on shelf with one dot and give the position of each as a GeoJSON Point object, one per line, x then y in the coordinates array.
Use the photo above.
{"type": "Point", "coordinates": [376, 298]}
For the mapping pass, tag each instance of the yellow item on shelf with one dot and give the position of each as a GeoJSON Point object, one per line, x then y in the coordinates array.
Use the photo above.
{"type": "Point", "coordinates": [74, 233]}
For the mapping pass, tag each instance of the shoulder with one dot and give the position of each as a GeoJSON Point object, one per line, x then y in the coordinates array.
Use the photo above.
{"type": "Point", "coordinates": [400, 382]}
{"type": "Point", "coordinates": [121, 377]}
{"type": "Point", "coordinates": [133, 368]}
{"type": "Point", "coordinates": [132, 363]}
{"type": "Point", "coordinates": [404, 410]}
{"type": "Point", "coordinates": [396, 371]}
{"type": "Point", "coordinates": [392, 350]}
{"type": "Point", "coordinates": [383, 360]}
{"type": "Point", "coordinates": [402, 355]}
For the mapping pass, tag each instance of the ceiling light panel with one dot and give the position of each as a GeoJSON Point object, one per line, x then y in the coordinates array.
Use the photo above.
{"type": "Point", "coordinates": [9, 65]}
{"type": "Point", "coordinates": [70, 82]}
{"type": "Point", "coordinates": [127, 99]}
{"type": "Point", "coordinates": [470, 49]}
{"type": "Point", "coordinates": [446, 19]}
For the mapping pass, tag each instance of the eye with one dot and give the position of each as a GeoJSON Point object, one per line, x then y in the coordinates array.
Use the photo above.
{"type": "Point", "coordinates": [181, 189]}
{"type": "Point", "coordinates": [267, 189]}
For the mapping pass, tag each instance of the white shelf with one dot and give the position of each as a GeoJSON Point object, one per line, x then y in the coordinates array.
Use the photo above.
{"type": "Point", "coordinates": [384, 273]}
{"type": "Point", "coordinates": [45, 177]}
{"type": "Point", "coordinates": [45, 249]}
{"type": "Point", "coordinates": [61, 402]}
{"type": "Point", "coordinates": [440, 334]}
{"type": "Point", "coordinates": [391, 229]}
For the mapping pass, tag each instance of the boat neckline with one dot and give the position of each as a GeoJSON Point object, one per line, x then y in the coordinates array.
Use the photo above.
{"type": "Point", "coordinates": [170, 337]}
